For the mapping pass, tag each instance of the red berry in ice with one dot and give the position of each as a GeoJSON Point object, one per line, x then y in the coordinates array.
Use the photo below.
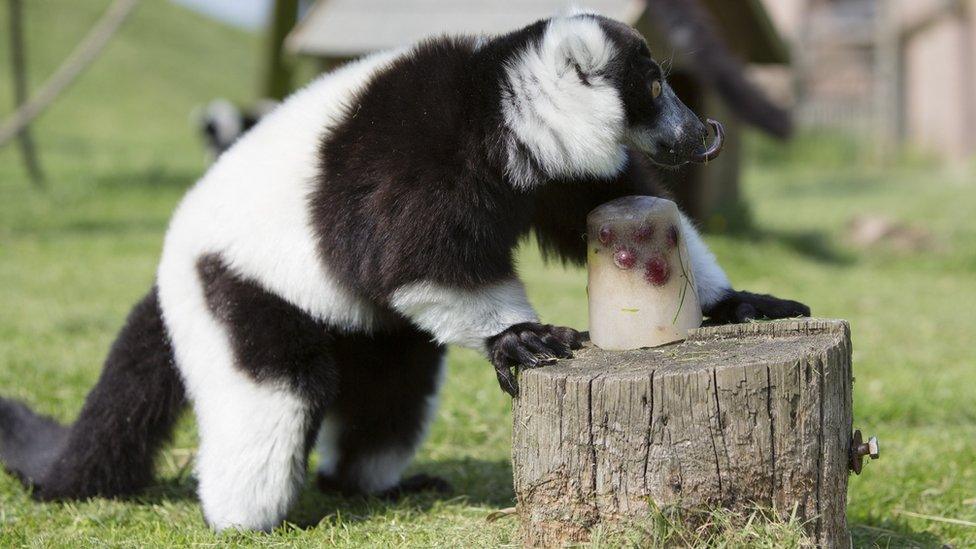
{"type": "Point", "coordinates": [606, 235]}
{"type": "Point", "coordinates": [643, 233]}
{"type": "Point", "coordinates": [657, 271]}
{"type": "Point", "coordinates": [625, 258]}
{"type": "Point", "coordinates": [672, 236]}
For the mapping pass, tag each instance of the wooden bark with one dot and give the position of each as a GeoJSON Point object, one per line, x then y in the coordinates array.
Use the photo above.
{"type": "Point", "coordinates": [737, 415]}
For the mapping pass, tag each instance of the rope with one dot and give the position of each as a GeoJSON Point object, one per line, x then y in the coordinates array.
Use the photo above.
{"type": "Point", "coordinates": [82, 56]}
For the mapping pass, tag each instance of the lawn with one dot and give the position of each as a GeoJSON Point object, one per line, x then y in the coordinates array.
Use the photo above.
{"type": "Point", "coordinates": [119, 151]}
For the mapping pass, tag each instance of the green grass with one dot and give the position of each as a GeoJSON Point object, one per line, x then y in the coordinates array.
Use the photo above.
{"type": "Point", "coordinates": [119, 152]}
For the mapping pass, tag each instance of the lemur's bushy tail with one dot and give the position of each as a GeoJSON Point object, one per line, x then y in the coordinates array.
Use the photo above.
{"type": "Point", "coordinates": [110, 448]}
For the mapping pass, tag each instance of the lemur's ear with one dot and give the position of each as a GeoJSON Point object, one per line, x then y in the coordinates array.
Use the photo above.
{"type": "Point", "coordinates": [577, 41]}
{"type": "Point", "coordinates": [576, 52]}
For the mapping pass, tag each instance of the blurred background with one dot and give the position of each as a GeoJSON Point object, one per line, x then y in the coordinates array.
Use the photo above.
{"type": "Point", "coordinates": [848, 182]}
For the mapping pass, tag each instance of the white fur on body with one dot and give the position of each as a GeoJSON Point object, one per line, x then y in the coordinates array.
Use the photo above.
{"type": "Point", "coordinates": [709, 277]}
{"type": "Point", "coordinates": [252, 209]}
{"type": "Point", "coordinates": [464, 317]}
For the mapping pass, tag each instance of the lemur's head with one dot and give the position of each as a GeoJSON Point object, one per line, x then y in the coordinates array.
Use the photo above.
{"type": "Point", "coordinates": [581, 91]}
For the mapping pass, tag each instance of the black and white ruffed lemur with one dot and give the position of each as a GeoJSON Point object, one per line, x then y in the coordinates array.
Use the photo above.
{"type": "Point", "coordinates": [310, 281]}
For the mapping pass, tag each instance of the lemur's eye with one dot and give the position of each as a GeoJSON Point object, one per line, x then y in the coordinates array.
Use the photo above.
{"type": "Point", "coordinates": [656, 89]}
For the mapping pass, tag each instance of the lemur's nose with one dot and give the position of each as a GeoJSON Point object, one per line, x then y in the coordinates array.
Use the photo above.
{"type": "Point", "coordinates": [713, 150]}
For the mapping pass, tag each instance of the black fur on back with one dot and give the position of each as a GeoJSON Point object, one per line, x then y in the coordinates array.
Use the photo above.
{"type": "Point", "coordinates": [109, 450]}
{"type": "Point", "coordinates": [412, 183]}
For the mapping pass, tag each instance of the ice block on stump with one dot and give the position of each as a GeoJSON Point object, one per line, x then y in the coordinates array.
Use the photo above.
{"type": "Point", "coordinates": [641, 287]}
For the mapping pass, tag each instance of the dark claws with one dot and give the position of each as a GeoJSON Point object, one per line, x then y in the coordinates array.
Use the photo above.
{"type": "Point", "coordinates": [558, 348]}
{"type": "Point", "coordinates": [506, 380]}
{"type": "Point", "coordinates": [570, 337]}
{"type": "Point", "coordinates": [528, 345]}
{"type": "Point", "coordinates": [534, 344]}
{"type": "Point", "coordinates": [739, 306]}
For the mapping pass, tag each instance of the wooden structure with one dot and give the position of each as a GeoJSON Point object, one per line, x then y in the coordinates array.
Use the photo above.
{"type": "Point", "coordinates": [703, 42]}
{"type": "Point", "coordinates": [904, 70]}
{"type": "Point", "coordinates": [277, 80]}
{"type": "Point", "coordinates": [18, 66]}
{"type": "Point", "coordinates": [737, 415]}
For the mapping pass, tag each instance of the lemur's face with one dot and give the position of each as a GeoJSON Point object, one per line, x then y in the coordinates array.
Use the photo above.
{"type": "Point", "coordinates": [588, 87]}
{"type": "Point", "coordinates": [659, 124]}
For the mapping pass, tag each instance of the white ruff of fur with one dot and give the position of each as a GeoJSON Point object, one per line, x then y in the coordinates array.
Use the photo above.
{"type": "Point", "coordinates": [464, 317]}
{"type": "Point", "coordinates": [571, 129]}
{"type": "Point", "coordinates": [711, 279]}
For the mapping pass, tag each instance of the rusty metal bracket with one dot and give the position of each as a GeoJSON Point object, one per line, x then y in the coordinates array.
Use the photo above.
{"type": "Point", "coordinates": [859, 449]}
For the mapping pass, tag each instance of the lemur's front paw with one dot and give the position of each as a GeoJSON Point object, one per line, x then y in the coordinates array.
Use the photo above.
{"type": "Point", "coordinates": [528, 345]}
{"type": "Point", "coordinates": [744, 306]}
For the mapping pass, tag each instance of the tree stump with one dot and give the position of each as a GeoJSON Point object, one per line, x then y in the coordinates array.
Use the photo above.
{"type": "Point", "coordinates": [736, 415]}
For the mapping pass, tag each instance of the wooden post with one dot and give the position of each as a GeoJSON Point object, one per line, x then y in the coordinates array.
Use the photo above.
{"type": "Point", "coordinates": [278, 73]}
{"type": "Point", "coordinates": [744, 414]}
{"type": "Point", "coordinates": [18, 64]}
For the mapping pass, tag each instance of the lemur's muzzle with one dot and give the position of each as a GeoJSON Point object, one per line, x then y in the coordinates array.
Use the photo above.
{"type": "Point", "coordinates": [712, 152]}
{"type": "Point", "coordinates": [676, 136]}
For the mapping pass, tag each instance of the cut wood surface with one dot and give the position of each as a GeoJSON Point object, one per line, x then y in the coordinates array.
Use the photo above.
{"type": "Point", "coordinates": [735, 416]}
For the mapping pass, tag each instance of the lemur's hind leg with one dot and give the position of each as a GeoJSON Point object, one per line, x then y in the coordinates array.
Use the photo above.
{"type": "Point", "coordinates": [387, 396]}
{"type": "Point", "coordinates": [260, 373]}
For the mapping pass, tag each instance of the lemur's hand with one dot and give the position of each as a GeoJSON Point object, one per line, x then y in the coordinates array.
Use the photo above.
{"type": "Point", "coordinates": [743, 306]}
{"type": "Point", "coordinates": [527, 345]}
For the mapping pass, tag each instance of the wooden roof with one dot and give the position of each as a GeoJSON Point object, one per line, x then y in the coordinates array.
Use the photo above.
{"type": "Point", "coordinates": [349, 28]}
